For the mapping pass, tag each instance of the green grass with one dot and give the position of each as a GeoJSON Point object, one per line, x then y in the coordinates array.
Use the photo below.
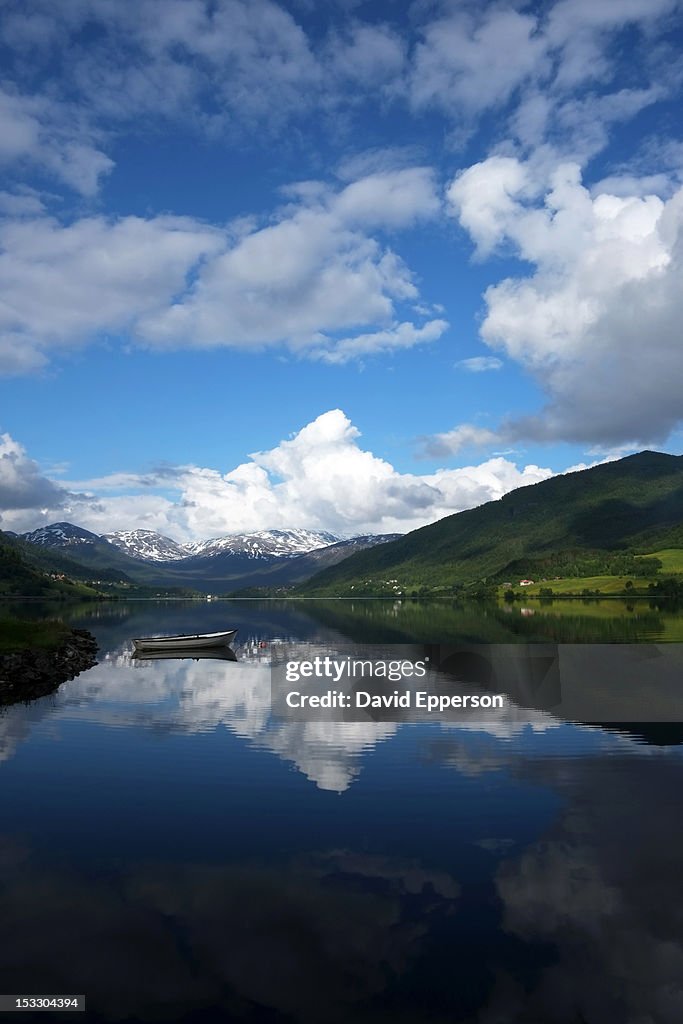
{"type": "Point", "coordinates": [574, 585]}
{"type": "Point", "coordinates": [671, 559]}
{"type": "Point", "coordinates": [18, 635]}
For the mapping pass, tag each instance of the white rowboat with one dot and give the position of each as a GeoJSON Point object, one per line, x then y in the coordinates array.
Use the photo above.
{"type": "Point", "coordinates": [187, 642]}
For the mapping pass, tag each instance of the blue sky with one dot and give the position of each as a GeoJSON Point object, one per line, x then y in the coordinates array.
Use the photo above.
{"type": "Point", "coordinates": [348, 266]}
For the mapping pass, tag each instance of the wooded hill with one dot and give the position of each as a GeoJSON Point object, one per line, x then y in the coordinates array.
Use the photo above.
{"type": "Point", "coordinates": [30, 570]}
{"type": "Point", "coordinates": [582, 523]}
{"type": "Point", "coordinates": [23, 573]}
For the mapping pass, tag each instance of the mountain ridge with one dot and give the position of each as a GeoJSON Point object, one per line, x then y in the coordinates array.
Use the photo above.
{"type": "Point", "coordinates": [218, 564]}
{"type": "Point", "coordinates": [295, 570]}
{"type": "Point", "coordinates": [150, 546]}
{"type": "Point", "coordinates": [612, 507]}
{"type": "Point", "coordinates": [552, 528]}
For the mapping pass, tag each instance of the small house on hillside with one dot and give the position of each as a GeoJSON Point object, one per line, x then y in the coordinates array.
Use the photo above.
{"type": "Point", "coordinates": [525, 583]}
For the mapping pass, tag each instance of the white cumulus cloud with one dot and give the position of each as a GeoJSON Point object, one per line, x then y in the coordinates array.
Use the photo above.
{"type": "Point", "coordinates": [597, 321]}
{"type": "Point", "coordinates": [41, 131]}
{"type": "Point", "coordinates": [22, 485]}
{"type": "Point", "coordinates": [248, 70]}
{"type": "Point", "coordinates": [551, 73]}
{"type": "Point", "coordinates": [321, 478]}
{"type": "Point", "coordinates": [315, 271]}
{"type": "Point", "coordinates": [458, 64]}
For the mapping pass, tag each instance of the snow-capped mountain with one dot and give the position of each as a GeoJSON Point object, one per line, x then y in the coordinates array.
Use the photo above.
{"type": "Point", "coordinates": [147, 545]}
{"type": "Point", "coordinates": [155, 547]}
{"type": "Point", "coordinates": [263, 544]}
{"type": "Point", "coordinates": [219, 565]}
{"type": "Point", "coordinates": [61, 535]}
{"type": "Point", "coordinates": [286, 571]}
{"type": "Point", "coordinates": [84, 547]}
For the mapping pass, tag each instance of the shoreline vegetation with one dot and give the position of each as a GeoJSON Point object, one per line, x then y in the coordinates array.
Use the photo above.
{"type": "Point", "coordinates": [570, 588]}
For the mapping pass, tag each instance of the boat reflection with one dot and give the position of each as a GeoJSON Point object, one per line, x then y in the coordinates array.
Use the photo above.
{"type": "Point", "coordinates": [209, 653]}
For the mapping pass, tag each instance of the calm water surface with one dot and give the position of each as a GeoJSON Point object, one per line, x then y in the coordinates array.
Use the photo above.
{"type": "Point", "coordinates": [174, 853]}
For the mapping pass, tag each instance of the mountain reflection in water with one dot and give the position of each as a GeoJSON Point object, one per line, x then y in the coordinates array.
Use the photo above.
{"type": "Point", "coordinates": [174, 852]}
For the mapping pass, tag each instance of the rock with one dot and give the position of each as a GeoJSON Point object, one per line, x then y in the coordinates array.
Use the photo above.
{"type": "Point", "coordinates": [26, 675]}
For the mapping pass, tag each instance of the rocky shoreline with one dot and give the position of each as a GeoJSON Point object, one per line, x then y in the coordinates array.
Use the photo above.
{"type": "Point", "coordinates": [28, 674]}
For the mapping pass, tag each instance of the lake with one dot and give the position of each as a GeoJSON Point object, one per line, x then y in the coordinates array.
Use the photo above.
{"type": "Point", "coordinates": [175, 852]}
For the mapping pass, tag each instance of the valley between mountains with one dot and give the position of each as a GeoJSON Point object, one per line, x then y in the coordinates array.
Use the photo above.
{"type": "Point", "coordinates": [266, 558]}
{"type": "Point", "coordinates": [614, 527]}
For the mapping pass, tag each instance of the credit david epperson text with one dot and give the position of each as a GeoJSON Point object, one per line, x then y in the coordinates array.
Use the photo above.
{"type": "Point", "coordinates": [406, 699]}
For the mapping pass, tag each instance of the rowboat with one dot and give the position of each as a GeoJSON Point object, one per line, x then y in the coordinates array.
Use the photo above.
{"type": "Point", "coordinates": [186, 642]}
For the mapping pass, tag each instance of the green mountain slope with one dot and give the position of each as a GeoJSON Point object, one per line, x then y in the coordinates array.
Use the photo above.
{"type": "Point", "coordinates": [592, 518]}
{"type": "Point", "coordinates": [89, 552]}
{"type": "Point", "coordinates": [33, 570]}
{"type": "Point", "coordinates": [19, 576]}
{"type": "Point", "coordinates": [49, 560]}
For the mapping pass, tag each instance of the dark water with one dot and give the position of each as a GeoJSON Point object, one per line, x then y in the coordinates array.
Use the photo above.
{"type": "Point", "coordinates": [173, 852]}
